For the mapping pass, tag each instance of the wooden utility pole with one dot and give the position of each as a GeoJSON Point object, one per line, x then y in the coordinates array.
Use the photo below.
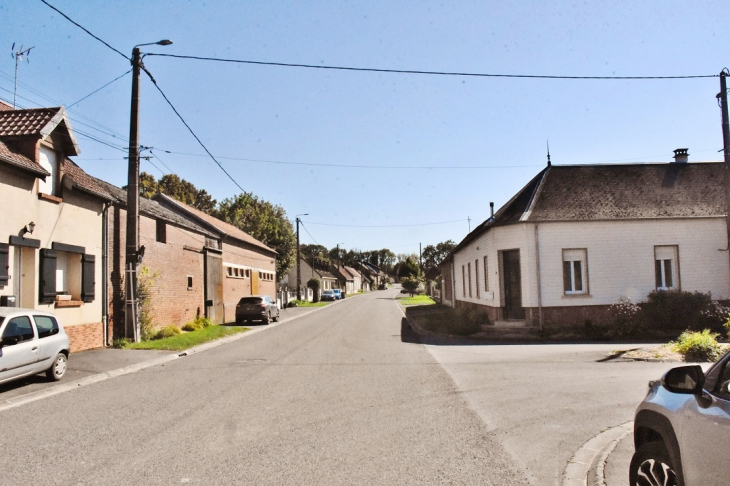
{"type": "Point", "coordinates": [722, 99]}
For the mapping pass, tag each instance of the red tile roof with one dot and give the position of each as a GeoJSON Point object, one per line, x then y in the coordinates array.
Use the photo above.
{"type": "Point", "coordinates": [38, 122]}
{"type": "Point", "coordinates": [21, 161]}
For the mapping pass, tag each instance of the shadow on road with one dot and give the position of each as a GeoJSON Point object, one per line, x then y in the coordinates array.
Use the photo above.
{"type": "Point", "coordinates": [409, 335]}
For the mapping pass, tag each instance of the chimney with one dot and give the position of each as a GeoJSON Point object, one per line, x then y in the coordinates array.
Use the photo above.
{"type": "Point", "coordinates": [491, 210]}
{"type": "Point", "coordinates": [681, 156]}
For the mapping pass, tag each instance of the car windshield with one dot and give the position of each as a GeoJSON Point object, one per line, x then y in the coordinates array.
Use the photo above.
{"type": "Point", "coordinates": [328, 292]}
{"type": "Point", "coordinates": [250, 300]}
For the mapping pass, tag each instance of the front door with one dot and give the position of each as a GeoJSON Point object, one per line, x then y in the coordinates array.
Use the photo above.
{"type": "Point", "coordinates": [254, 282]}
{"type": "Point", "coordinates": [512, 285]}
{"type": "Point", "coordinates": [214, 287]}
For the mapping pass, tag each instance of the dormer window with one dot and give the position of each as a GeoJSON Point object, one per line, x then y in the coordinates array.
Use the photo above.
{"type": "Point", "coordinates": [49, 161]}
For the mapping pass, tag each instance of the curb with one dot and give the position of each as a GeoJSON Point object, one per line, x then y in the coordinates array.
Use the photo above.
{"type": "Point", "coordinates": [90, 380]}
{"type": "Point", "coordinates": [593, 455]}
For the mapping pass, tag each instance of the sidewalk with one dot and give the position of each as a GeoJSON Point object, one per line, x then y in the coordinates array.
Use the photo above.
{"type": "Point", "coordinates": [603, 460]}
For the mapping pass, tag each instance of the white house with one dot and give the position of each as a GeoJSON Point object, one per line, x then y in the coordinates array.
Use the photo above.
{"type": "Point", "coordinates": [576, 239]}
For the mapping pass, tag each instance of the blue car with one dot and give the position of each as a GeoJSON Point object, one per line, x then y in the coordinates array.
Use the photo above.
{"type": "Point", "coordinates": [338, 295]}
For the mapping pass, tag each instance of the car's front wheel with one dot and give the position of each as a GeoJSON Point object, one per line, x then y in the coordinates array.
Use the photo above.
{"type": "Point", "coordinates": [58, 368]}
{"type": "Point", "coordinates": [651, 466]}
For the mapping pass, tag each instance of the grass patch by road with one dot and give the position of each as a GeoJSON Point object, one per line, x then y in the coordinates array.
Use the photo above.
{"type": "Point", "coordinates": [185, 340]}
{"type": "Point", "coordinates": [416, 300]}
{"type": "Point", "coordinates": [304, 303]}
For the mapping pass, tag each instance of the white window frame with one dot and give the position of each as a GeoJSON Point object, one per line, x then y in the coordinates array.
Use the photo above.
{"type": "Point", "coordinates": [573, 256]}
{"type": "Point", "coordinates": [664, 253]}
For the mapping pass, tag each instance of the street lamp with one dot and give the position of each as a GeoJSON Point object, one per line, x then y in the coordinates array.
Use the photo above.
{"type": "Point", "coordinates": [299, 270]}
{"type": "Point", "coordinates": [339, 271]}
{"type": "Point", "coordinates": [132, 256]}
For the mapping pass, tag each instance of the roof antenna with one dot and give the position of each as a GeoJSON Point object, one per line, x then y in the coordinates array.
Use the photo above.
{"type": "Point", "coordinates": [18, 55]}
{"type": "Point", "coordinates": [548, 152]}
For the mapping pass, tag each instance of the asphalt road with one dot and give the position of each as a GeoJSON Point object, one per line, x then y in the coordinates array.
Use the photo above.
{"type": "Point", "coordinates": [334, 397]}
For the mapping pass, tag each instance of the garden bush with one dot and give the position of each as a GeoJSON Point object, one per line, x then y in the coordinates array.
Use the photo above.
{"type": "Point", "coordinates": [698, 346]}
{"type": "Point", "coordinates": [167, 331]}
{"type": "Point", "coordinates": [675, 310]}
{"type": "Point", "coordinates": [197, 323]}
{"type": "Point", "coordinates": [624, 318]}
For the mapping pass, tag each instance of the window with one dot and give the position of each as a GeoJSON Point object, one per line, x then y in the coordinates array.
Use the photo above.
{"type": "Point", "coordinates": [65, 270]}
{"type": "Point", "coordinates": [575, 271]}
{"type": "Point", "coordinates": [161, 234]}
{"type": "Point", "coordinates": [468, 265]}
{"type": "Point", "coordinates": [48, 160]}
{"type": "Point", "coordinates": [68, 275]}
{"type": "Point", "coordinates": [19, 328]}
{"type": "Point", "coordinates": [476, 275]}
{"type": "Point", "coordinates": [229, 271]}
{"type": "Point", "coordinates": [486, 275]}
{"type": "Point", "coordinates": [46, 325]}
{"type": "Point", "coordinates": [666, 268]}
{"type": "Point", "coordinates": [190, 282]}
{"type": "Point", "coordinates": [463, 279]}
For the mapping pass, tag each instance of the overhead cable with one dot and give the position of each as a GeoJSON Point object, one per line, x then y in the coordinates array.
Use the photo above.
{"type": "Point", "coordinates": [388, 225]}
{"type": "Point", "coordinates": [96, 91]}
{"type": "Point", "coordinates": [434, 73]}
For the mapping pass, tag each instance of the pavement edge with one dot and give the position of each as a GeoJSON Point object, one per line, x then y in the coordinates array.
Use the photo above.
{"type": "Point", "coordinates": [592, 456]}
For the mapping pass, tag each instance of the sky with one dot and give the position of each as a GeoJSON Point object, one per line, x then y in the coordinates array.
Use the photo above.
{"type": "Point", "coordinates": [375, 160]}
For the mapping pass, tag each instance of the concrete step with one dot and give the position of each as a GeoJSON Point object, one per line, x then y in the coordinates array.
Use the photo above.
{"type": "Point", "coordinates": [511, 324]}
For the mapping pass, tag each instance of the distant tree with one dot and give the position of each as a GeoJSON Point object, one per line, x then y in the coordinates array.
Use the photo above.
{"type": "Point", "coordinates": [186, 192]}
{"type": "Point", "coordinates": [264, 221]}
{"type": "Point", "coordinates": [314, 284]}
{"type": "Point", "coordinates": [317, 251]}
{"type": "Point", "coordinates": [408, 268]}
{"type": "Point", "coordinates": [147, 185]}
{"type": "Point", "coordinates": [411, 284]}
{"type": "Point", "coordinates": [433, 255]}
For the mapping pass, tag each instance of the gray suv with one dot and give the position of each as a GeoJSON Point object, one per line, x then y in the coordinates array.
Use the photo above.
{"type": "Point", "coordinates": [31, 342]}
{"type": "Point", "coordinates": [682, 429]}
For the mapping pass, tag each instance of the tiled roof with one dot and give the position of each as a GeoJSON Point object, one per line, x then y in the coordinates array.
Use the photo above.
{"type": "Point", "coordinates": [614, 192]}
{"type": "Point", "coordinates": [37, 122]}
{"type": "Point", "coordinates": [630, 191]}
{"type": "Point", "coordinates": [217, 224]}
{"type": "Point", "coordinates": [326, 274]}
{"type": "Point", "coordinates": [147, 207]}
{"type": "Point", "coordinates": [5, 106]}
{"type": "Point", "coordinates": [352, 271]}
{"type": "Point", "coordinates": [21, 161]}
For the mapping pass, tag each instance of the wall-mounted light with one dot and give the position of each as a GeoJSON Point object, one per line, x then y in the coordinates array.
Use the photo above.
{"type": "Point", "coordinates": [28, 228]}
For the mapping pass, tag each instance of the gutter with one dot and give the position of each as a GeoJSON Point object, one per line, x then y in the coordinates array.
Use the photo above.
{"type": "Point", "coordinates": [105, 272]}
{"type": "Point", "coordinates": [537, 271]}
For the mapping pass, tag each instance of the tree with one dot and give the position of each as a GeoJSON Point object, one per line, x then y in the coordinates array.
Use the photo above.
{"type": "Point", "coordinates": [433, 255]}
{"type": "Point", "coordinates": [147, 185]}
{"type": "Point", "coordinates": [180, 189]}
{"type": "Point", "coordinates": [264, 221]}
{"type": "Point", "coordinates": [314, 284]}
{"type": "Point", "coordinates": [408, 268]}
{"type": "Point", "coordinates": [410, 284]}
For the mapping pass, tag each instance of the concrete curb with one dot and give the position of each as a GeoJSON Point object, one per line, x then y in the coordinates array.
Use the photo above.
{"type": "Point", "coordinates": [593, 455]}
{"type": "Point", "coordinates": [96, 378]}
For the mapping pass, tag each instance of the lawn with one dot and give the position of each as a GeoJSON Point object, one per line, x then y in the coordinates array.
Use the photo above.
{"type": "Point", "coordinates": [187, 340]}
{"type": "Point", "coordinates": [304, 303]}
{"type": "Point", "coordinates": [416, 300]}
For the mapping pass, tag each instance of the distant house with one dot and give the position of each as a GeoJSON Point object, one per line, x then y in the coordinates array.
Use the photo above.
{"type": "Point", "coordinates": [576, 239]}
{"type": "Point", "coordinates": [236, 264]}
{"type": "Point", "coordinates": [345, 280]}
{"type": "Point", "coordinates": [356, 279]}
{"type": "Point", "coordinates": [327, 280]}
{"type": "Point", "coordinates": [51, 222]}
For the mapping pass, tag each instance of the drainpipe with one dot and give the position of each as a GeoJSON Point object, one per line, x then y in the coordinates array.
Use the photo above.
{"type": "Point", "coordinates": [539, 286]}
{"type": "Point", "coordinates": [105, 272]}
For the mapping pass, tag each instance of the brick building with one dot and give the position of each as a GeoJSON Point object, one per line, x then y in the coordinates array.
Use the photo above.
{"type": "Point", "coordinates": [576, 239]}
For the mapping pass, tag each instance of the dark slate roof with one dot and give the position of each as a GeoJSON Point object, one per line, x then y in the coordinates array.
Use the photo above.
{"type": "Point", "coordinates": [40, 122]}
{"type": "Point", "coordinates": [614, 192]}
{"type": "Point", "coordinates": [326, 274]}
{"type": "Point", "coordinates": [215, 223]}
{"type": "Point", "coordinates": [21, 161]}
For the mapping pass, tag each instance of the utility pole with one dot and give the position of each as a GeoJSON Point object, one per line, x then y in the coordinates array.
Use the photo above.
{"type": "Point", "coordinates": [722, 99]}
{"type": "Point", "coordinates": [131, 309]}
{"type": "Point", "coordinates": [131, 314]}
{"type": "Point", "coordinates": [299, 268]}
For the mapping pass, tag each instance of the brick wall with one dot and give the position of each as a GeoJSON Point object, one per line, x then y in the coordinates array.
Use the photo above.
{"type": "Point", "coordinates": [85, 336]}
{"type": "Point", "coordinates": [243, 256]}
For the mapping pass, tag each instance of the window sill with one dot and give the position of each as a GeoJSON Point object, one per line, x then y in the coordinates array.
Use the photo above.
{"type": "Point", "coordinates": [68, 303]}
{"type": "Point", "coordinates": [49, 198]}
{"type": "Point", "coordinates": [573, 296]}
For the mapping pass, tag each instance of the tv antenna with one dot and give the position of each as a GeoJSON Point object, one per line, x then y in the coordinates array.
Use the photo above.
{"type": "Point", "coordinates": [18, 56]}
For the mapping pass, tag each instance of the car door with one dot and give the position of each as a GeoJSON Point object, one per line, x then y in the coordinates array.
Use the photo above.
{"type": "Point", "coordinates": [19, 354]}
{"type": "Point", "coordinates": [49, 339]}
{"type": "Point", "coordinates": [705, 436]}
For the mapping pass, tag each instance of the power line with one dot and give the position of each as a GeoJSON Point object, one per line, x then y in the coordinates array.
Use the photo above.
{"type": "Point", "coordinates": [435, 73]}
{"type": "Point", "coordinates": [85, 29]}
{"type": "Point", "coordinates": [310, 234]}
{"type": "Point", "coordinates": [190, 129]}
{"type": "Point", "coordinates": [96, 91]}
{"type": "Point", "coordinates": [388, 225]}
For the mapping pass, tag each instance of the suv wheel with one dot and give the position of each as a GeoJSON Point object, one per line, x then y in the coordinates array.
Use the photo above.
{"type": "Point", "coordinates": [651, 466]}
{"type": "Point", "coordinates": [267, 318]}
{"type": "Point", "coordinates": [58, 368]}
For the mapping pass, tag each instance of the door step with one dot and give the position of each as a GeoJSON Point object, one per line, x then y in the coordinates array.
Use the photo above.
{"type": "Point", "coordinates": [511, 324]}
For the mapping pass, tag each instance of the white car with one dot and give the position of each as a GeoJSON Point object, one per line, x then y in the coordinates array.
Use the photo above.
{"type": "Point", "coordinates": [31, 342]}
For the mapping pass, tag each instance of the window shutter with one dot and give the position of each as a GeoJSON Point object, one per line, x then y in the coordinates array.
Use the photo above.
{"type": "Point", "coordinates": [4, 263]}
{"type": "Point", "coordinates": [88, 277]}
{"type": "Point", "coordinates": [47, 291]}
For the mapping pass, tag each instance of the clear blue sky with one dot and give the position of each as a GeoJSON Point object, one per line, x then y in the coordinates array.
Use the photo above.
{"type": "Point", "coordinates": [252, 115]}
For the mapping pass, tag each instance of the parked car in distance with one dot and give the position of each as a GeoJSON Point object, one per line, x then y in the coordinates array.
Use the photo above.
{"type": "Point", "coordinates": [382, 286]}
{"type": "Point", "coordinates": [682, 428]}
{"type": "Point", "coordinates": [338, 294]}
{"type": "Point", "coordinates": [257, 308]}
{"type": "Point", "coordinates": [31, 342]}
{"type": "Point", "coordinates": [328, 295]}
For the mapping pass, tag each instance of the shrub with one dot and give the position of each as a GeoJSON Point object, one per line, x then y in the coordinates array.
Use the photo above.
{"type": "Point", "coordinates": [675, 310]}
{"type": "Point", "coordinates": [410, 284]}
{"type": "Point", "coordinates": [166, 332]}
{"type": "Point", "coordinates": [314, 284]}
{"type": "Point", "coordinates": [145, 283]}
{"type": "Point", "coordinates": [624, 318]}
{"type": "Point", "coordinates": [698, 346]}
{"type": "Point", "coordinates": [197, 324]}
{"type": "Point", "coordinates": [593, 332]}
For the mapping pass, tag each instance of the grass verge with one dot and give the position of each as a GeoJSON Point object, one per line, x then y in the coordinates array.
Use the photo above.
{"type": "Point", "coordinates": [304, 303]}
{"type": "Point", "coordinates": [186, 340]}
{"type": "Point", "coordinates": [416, 300]}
